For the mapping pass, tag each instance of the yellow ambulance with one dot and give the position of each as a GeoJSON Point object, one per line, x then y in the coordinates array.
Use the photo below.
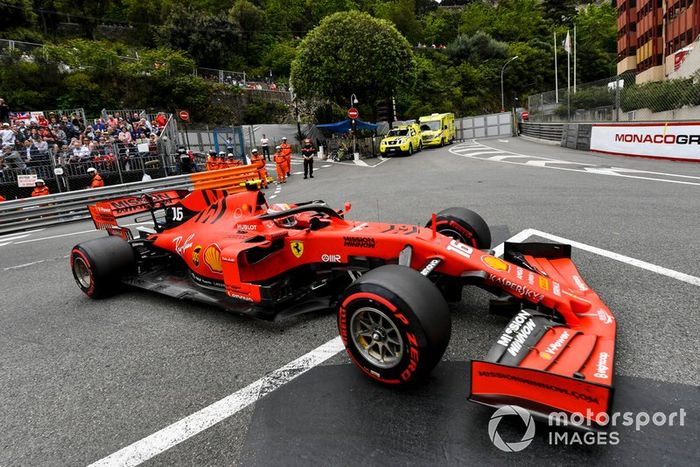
{"type": "Point", "coordinates": [438, 129]}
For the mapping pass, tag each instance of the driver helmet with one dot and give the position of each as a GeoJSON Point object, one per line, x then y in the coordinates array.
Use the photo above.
{"type": "Point", "coordinates": [276, 208]}
{"type": "Point", "coordinates": [39, 182]}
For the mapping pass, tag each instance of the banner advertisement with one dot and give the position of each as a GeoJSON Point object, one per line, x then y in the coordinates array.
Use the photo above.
{"type": "Point", "coordinates": [677, 140]}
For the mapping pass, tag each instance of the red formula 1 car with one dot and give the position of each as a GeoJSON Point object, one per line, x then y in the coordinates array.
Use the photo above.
{"type": "Point", "coordinates": [389, 283]}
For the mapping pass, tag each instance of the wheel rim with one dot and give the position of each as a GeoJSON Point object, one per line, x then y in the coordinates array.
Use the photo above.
{"type": "Point", "coordinates": [82, 272]}
{"type": "Point", "coordinates": [376, 337]}
{"type": "Point", "coordinates": [457, 236]}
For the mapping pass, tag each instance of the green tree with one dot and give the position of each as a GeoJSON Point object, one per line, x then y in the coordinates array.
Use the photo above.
{"type": "Point", "coordinates": [209, 39]}
{"type": "Point", "coordinates": [85, 12]}
{"type": "Point", "coordinates": [402, 14]}
{"type": "Point", "coordinates": [480, 46]}
{"type": "Point", "coordinates": [596, 37]}
{"type": "Point", "coordinates": [353, 52]}
{"type": "Point", "coordinates": [560, 12]}
{"type": "Point", "coordinates": [16, 14]}
{"type": "Point", "coordinates": [440, 26]}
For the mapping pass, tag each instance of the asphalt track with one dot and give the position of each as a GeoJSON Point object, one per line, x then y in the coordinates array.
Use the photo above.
{"type": "Point", "coordinates": [82, 379]}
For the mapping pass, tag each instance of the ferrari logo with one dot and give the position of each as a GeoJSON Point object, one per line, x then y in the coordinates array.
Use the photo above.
{"type": "Point", "coordinates": [297, 248]}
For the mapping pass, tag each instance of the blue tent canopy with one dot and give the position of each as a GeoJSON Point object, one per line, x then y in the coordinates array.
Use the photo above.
{"type": "Point", "coordinates": [345, 125]}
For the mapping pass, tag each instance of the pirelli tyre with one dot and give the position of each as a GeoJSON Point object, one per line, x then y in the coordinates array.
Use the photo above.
{"type": "Point", "coordinates": [98, 265]}
{"type": "Point", "coordinates": [464, 225]}
{"type": "Point", "coordinates": [395, 324]}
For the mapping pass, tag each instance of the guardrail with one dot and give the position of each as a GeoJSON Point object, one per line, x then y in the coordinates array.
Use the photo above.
{"type": "Point", "coordinates": [44, 211]}
{"type": "Point", "coordinates": [543, 131]}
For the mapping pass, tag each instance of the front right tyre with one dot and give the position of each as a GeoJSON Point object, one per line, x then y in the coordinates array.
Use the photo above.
{"type": "Point", "coordinates": [395, 324]}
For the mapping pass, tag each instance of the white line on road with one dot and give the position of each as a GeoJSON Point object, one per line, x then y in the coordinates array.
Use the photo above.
{"type": "Point", "coordinates": [622, 258]}
{"type": "Point", "coordinates": [27, 232]}
{"type": "Point", "coordinates": [170, 436]}
{"type": "Point", "coordinates": [82, 232]}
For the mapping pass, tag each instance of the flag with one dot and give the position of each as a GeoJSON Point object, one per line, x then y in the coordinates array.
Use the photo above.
{"type": "Point", "coordinates": [567, 43]}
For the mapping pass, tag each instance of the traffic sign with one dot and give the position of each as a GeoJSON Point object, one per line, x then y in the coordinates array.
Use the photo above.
{"type": "Point", "coordinates": [353, 113]}
{"type": "Point", "coordinates": [184, 115]}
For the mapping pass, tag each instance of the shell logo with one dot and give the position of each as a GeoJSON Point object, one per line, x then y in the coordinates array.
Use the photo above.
{"type": "Point", "coordinates": [212, 258]}
{"type": "Point", "coordinates": [545, 355]}
{"type": "Point", "coordinates": [495, 263]}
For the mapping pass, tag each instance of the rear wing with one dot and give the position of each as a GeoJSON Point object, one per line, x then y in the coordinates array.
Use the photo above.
{"type": "Point", "coordinates": [208, 187]}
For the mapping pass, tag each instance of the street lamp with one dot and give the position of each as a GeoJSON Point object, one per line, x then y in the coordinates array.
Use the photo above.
{"type": "Point", "coordinates": [353, 100]}
{"type": "Point", "coordinates": [503, 104]}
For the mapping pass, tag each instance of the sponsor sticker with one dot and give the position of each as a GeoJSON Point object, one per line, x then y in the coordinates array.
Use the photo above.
{"type": "Point", "coordinates": [517, 288]}
{"type": "Point", "coordinates": [212, 258]}
{"type": "Point", "coordinates": [554, 347]}
{"type": "Point", "coordinates": [556, 288]}
{"type": "Point", "coordinates": [297, 247]}
{"type": "Point", "coordinates": [544, 283]}
{"type": "Point", "coordinates": [196, 251]}
{"type": "Point", "coordinates": [602, 366]}
{"type": "Point", "coordinates": [330, 258]}
{"type": "Point", "coordinates": [579, 283]}
{"type": "Point", "coordinates": [604, 316]}
{"type": "Point", "coordinates": [359, 242]}
{"type": "Point", "coordinates": [182, 247]}
{"type": "Point", "coordinates": [495, 263]}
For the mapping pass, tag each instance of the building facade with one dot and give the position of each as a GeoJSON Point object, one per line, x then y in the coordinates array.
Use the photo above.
{"type": "Point", "coordinates": [653, 36]}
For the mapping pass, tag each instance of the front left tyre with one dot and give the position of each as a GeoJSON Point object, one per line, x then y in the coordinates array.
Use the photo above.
{"type": "Point", "coordinates": [395, 324]}
{"type": "Point", "coordinates": [99, 265]}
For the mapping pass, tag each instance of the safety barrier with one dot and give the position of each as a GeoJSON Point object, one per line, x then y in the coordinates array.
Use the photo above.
{"type": "Point", "coordinates": [44, 211]}
{"type": "Point", "coordinates": [542, 131]}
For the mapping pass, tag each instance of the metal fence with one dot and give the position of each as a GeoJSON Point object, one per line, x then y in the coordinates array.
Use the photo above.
{"type": "Point", "coordinates": [620, 98]}
{"type": "Point", "coordinates": [63, 171]}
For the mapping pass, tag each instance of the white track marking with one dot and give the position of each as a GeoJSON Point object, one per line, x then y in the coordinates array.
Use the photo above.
{"type": "Point", "coordinates": [464, 150]}
{"type": "Point", "coordinates": [27, 232]}
{"type": "Point", "coordinates": [82, 232]}
{"type": "Point", "coordinates": [170, 436]}
{"type": "Point", "coordinates": [361, 163]}
{"type": "Point", "coordinates": [20, 266]}
{"type": "Point", "coordinates": [15, 237]}
{"type": "Point", "coordinates": [622, 258]}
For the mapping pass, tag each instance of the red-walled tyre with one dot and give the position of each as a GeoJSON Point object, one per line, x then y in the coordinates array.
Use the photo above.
{"type": "Point", "coordinates": [98, 265]}
{"type": "Point", "coordinates": [464, 225]}
{"type": "Point", "coordinates": [395, 324]}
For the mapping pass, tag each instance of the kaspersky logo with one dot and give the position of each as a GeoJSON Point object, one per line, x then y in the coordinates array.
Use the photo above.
{"type": "Point", "coordinates": [506, 411]}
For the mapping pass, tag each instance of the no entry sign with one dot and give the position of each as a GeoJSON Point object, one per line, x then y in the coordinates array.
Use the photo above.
{"type": "Point", "coordinates": [184, 115]}
{"type": "Point", "coordinates": [353, 113]}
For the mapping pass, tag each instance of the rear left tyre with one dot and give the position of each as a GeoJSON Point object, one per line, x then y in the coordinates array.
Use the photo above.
{"type": "Point", "coordinates": [99, 265]}
{"type": "Point", "coordinates": [395, 324]}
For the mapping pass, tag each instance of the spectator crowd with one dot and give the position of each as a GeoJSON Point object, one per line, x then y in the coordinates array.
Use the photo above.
{"type": "Point", "coordinates": [30, 139]}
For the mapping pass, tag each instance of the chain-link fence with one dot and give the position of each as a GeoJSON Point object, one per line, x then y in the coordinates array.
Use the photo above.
{"type": "Point", "coordinates": [620, 99]}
